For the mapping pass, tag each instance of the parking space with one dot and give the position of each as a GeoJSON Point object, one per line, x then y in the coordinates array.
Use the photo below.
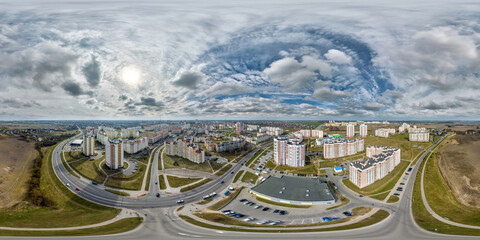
{"type": "Point", "coordinates": [247, 208]}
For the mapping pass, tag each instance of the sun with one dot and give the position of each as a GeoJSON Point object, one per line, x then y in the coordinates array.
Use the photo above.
{"type": "Point", "coordinates": [130, 75]}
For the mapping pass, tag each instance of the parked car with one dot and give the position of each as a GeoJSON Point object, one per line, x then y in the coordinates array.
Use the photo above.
{"type": "Point", "coordinates": [402, 183]}
{"type": "Point", "coordinates": [276, 211]}
{"type": "Point", "coordinates": [249, 219]}
{"type": "Point", "coordinates": [243, 200]}
{"type": "Point", "coordinates": [283, 212]}
{"type": "Point", "coordinates": [158, 194]}
{"type": "Point", "coordinates": [265, 209]}
{"type": "Point", "coordinates": [258, 206]}
{"type": "Point", "coordinates": [327, 219]}
{"type": "Point", "coordinates": [396, 194]}
{"type": "Point", "coordinates": [348, 214]}
{"type": "Point", "coordinates": [180, 201]}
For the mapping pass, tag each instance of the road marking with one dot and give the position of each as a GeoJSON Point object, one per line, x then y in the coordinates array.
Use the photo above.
{"type": "Point", "coordinates": [188, 235]}
{"type": "Point", "coordinates": [303, 220]}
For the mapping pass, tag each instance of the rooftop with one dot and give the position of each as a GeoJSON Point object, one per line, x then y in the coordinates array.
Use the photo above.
{"type": "Point", "coordinates": [295, 188]}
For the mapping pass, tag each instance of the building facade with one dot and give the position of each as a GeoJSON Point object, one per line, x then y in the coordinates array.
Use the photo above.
{"type": "Point", "coordinates": [350, 130]}
{"type": "Point", "coordinates": [363, 130]}
{"type": "Point", "coordinates": [88, 145]}
{"type": "Point", "coordinates": [186, 149]}
{"type": "Point", "coordinates": [226, 146]}
{"type": "Point", "coordinates": [339, 148]}
{"type": "Point", "coordinates": [114, 153]}
{"type": "Point", "coordinates": [381, 161]}
{"type": "Point", "coordinates": [384, 132]}
{"type": "Point", "coordinates": [419, 136]}
{"type": "Point", "coordinates": [239, 127]}
{"type": "Point", "coordinates": [289, 152]}
{"type": "Point", "coordinates": [135, 145]}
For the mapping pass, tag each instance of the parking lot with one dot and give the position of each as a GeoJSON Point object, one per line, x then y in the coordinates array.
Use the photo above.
{"type": "Point", "coordinates": [292, 216]}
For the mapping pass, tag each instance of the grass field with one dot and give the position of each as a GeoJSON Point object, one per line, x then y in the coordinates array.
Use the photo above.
{"type": "Point", "coordinates": [131, 182]}
{"type": "Point", "coordinates": [282, 204]}
{"type": "Point", "coordinates": [308, 169]}
{"type": "Point", "coordinates": [223, 170]}
{"type": "Point", "coordinates": [377, 217]}
{"type": "Point", "coordinates": [343, 200]}
{"type": "Point", "coordinates": [216, 166]}
{"type": "Point", "coordinates": [440, 195]}
{"type": "Point", "coordinates": [120, 193]}
{"type": "Point", "coordinates": [205, 201]}
{"type": "Point", "coordinates": [382, 185]}
{"type": "Point", "coordinates": [161, 182]}
{"type": "Point", "coordinates": [179, 162]}
{"type": "Point", "coordinates": [270, 164]}
{"type": "Point", "coordinates": [248, 175]}
{"type": "Point", "coordinates": [380, 196]}
{"type": "Point", "coordinates": [16, 160]}
{"type": "Point", "coordinates": [235, 179]}
{"type": "Point", "coordinates": [69, 206]}
{"type": "Point", "coordinates": [427, 221]}
{"type": "Point", "coordinates": [188, 188]}
{"type": "Point", "coordinates": [71, 171]}
{"type": "Point", "coordinates": [86, 168]}
{"type": "Point", "coordinates": [393, 199]}
{"type": "Point", "coordinates": [120, 226]}
{"type": "Point", "coordinates": [176, 182]}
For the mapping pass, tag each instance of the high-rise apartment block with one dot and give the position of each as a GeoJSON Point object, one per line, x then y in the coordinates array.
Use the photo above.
{"type": "Point", "coordinates": [384, 132]}
{"type": "Point", "coordinates": [239, 126]}
{"type": "Point", "coordinates": [186, 149]}
{"type": "Point", "coordinates": [363, 130]}
{"type": "Point", "coordinates": [350, 130]}
{"type": "Point", "coordinates": [381, 161]}
{"type": "Point", "coordinates": [114, 153]}
{"type": "Point", "coordinates": [88, 145]}
{"type": "Point", "coordinates": [289, 152]}
{"type": "Point", "coordinates": [336, 149]}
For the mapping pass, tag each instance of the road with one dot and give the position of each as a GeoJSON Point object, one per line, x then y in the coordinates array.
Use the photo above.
{"type": "Point", "coordinates": [162, 223]}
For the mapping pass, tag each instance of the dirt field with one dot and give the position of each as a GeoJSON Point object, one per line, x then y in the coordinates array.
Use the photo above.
{"type": "Point", "coordinates": [451, 126]}
{"type": "Point", "coordinates": [16, 158]}
{"type": "Point", "coordinates": [460, 167]}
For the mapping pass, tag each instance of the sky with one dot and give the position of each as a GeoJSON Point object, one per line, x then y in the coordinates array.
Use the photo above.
{"type": "Point", "coordinates": [245, 60]}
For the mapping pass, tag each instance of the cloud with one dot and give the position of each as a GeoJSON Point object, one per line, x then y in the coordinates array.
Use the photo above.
{"type": "Point", "coordinates": [328, 94]}
{"type": "Point", "coordinates": [92, 72]}
{"type": "Point", "coordinates": [74, 89]}
{"type": "Point", "coordinates": [227, 88]}
{"type": "Point", "coordinates": [373, 106]}
{"type": "Point", "coordinates": [338, 57]}
{"type": "Point", "coordinates": [188, 80]}
{"type": "Point", "coordinates": [17, 103]}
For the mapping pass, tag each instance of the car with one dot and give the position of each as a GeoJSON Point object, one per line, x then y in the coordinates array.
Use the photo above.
{"type": "Point", "coordinates": [249, 219]}
{"type": "Point", "coordinates": [180, 201]}
{"type": "Point", "coordinates": [327, 219]}
{"type": "Point", "coordinates": [335, 219]}
{"type": "Point", "coordinates": [326, 176]}
{"type": "Point", "coordinates": [206, 197]}
{"type": "Point", "coordinates": [396, 194]}
{"type": "Point", "coordinates": [263, 222]}
{"type": "Point", "coordinates": [231, 188]}
{"type": "Point", "coordinates": [158, 195]}
{"type": "Point", "coordinates": [258, 206]}
{"type": "Point", "coordinates": [226, 211]}
{"type": "Point", "coordinates": [399, 190]}
{"type": "Point", "coordinates": [406, 173]}
{"type": "Point", "coordinates": [94, 183]}
{"type": "Point", "coordinates": [360, 196]}
{"type": "Point", "coordinates": [246, 202]}
{"type": "Point", "coordinates": [243, 200]}
{"type": "Point", "coordinates": [213, 194]}
{"type": "Point", "coordinates": [231, 172]}
{"type": "Point", "coordinates": [276, 211]}
{"type": "Point", "coordinates": [348, 214]}
{"type": "Point", "coordinates": [274, 223]}
{"type": "Point", "coordinates": [222, 181]}
{"type": "Point", "coordinates": [265, 209]}
{"type": "Point", "coordinates": [156, 182]}
{"type": "Point", "coordinates": [283, 212]}
{"type": "Point", "coordinates": [251, 204]}
{"type": "Point", "coordinates": [402, 183]}
{"type": "Point", "coordinates": [68, 184]}
{"type": "Point", "coordinates": [78, 189]}
{"type": "Point", "coordinates": [231, 214]}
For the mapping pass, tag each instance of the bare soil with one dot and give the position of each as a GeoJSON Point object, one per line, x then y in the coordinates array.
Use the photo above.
{"type": "Point", "coordinates": [459, 164]}
{"type": "Point", "coordinates": [16, 159]}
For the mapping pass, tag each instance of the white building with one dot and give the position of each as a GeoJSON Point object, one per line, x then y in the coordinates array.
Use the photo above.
{"type": "Point", "coordinates": [291, 153]}
{"type": "Point", "coordinates": [363, 130]}
{"type": "Point", "coordinates": [317, 133]}
{"type": "Point", "coordinates": [350, 130]}
{"type": "Point", "coordinates": [114, 154]}
{"type": "Point", "coordinates": [419, 136]}
{"type": "Point", "coordinates": [88, 145]}
{"type": "Point", "coordinates": [135, 145]}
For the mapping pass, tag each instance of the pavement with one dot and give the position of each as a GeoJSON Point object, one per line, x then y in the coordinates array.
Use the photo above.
{"type": "Point", "coordinates": [162, 222]}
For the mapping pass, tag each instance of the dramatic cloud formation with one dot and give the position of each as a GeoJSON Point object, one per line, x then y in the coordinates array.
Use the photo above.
{"type": "Point", "coordinates": [243, 60]}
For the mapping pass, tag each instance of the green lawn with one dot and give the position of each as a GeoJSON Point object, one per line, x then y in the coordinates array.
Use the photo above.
{"type": "Point", "coordinates": [427, 221]}
{"type": "Point", "coordinates": [382, 185]}
{"type": "Point", "coordinates": [282, 204]}
{"type": "Point", "coordinates": [190, 187]}
{"type": "Point", "coordinates": [439, 195]}
{"type": "Point", "coordinates": [85, 167]}
{"type": "Point", "coordinates": [131, 182]}
{"type": "Point", "coordinates": [223, 170]}
{"type": "Point", "coordinates": [161, 182]}
{"type": "Point", "coordinates": [270, 164]}
{"type": "Point", "coordinates": [393, 199]}
{"type": "Point", "coordinates": [120, 226]}
{"type": "Point", "coordinates": [249, 175]}
{"type": "Point", "coordinates": [216, 166]}
{"type": "Point", "coordinates": [68, 168]}
{"type": "Point", "coordinates": [179, 162]}
{"type": "Point", "coordinates": [176, 182]}
{"type": "Point", "coordinates": [343, 200]}
{"type": "Point", "coordinates": [235, 179]}
{"type": "Point", "coordinates": [380, 196]}
{"type": "Point", "coordinates": [308, 169]}
{"type": "Point", "coordinates": [69, 206]}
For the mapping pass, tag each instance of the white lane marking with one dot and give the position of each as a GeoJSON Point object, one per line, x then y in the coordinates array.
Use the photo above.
{"type": "Point", "coordinates": [188, 235]}
{"type": "Point", "coordinates": [219, 231]}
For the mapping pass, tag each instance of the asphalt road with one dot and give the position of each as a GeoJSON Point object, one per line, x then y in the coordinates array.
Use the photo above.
{"type": "Point", "coordinates": [162, 223]}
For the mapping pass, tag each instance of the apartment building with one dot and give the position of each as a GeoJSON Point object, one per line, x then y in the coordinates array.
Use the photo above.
{"type": "Point", "coordinates": [239, 127]}
{"type": "Point", "coordinates": [157, 136]}
{"type": "Point", "coordinates": [350, 130]}
{"type": "Point", "coordinates": [289, 152]}
{"type": "Point", "coordinates": [419, 136]}
{"type": "Point", "coordinates": [363, 130]}
{"type": "Point", "coordinates": [404, 127]}
{"type": "Point", "coordinates": [384, 132]}
{"type": "Point", "coordinates": [88, 145]}
{"type": "Point", "coordinates": [381, 161]}
{"type": "Point", "coordinates": [341, 148]}
{"type": "Point", "coordinates": [114, 153]}
{"type": "Point", "coordinates": [135, 145]}
{"type": "Point", "coordinates": [226, 146]}
{"type": "Point", "coordinates": [186, 149]}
